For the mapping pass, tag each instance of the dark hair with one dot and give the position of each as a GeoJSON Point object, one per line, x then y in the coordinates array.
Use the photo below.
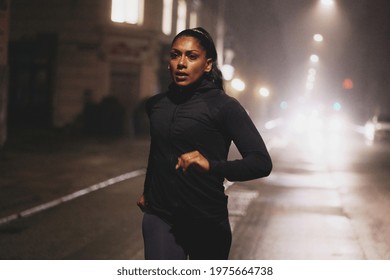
{"type": "Point", "coordinates": [208, 45]}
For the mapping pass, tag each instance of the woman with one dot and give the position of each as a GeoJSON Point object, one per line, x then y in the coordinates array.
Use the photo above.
{"type": "Point", "coordinates": [192, 126]}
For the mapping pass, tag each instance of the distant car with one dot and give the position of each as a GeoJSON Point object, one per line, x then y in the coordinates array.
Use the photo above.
{"type": "Point", "coordinates": [378, 128]}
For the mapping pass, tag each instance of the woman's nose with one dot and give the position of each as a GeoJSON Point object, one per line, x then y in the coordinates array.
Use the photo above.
{"type": "Point", "coordinates": [181, 62]}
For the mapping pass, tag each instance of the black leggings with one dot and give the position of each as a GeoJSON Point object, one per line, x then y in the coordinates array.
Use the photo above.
{"type": "Point", "coordinates": [190, 240]}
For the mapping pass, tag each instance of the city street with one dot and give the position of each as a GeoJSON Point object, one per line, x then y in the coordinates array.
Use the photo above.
{"type": "Point", "coordinates": [85, 85]}
{"type": "Point", "coordinates": [318, 204]}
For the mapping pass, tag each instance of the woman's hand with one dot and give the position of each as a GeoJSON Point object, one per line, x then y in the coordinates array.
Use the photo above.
{"type": "Point", "coordinates": [142, 203]}
{"type": "Point", "coordinates": [195, 160]}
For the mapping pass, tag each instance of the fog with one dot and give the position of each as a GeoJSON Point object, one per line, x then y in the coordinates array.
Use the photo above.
{"type": "Point", "coordinates": [273, 41]}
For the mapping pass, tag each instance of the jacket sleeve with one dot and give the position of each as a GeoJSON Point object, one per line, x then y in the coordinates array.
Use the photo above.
{"type": "Point", "coordinates": [256, 161]}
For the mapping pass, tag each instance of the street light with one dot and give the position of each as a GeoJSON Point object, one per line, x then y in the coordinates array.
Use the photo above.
{"type": "Point", "coordinates": [264, 92]}
{"type": "Point", "coordinates": [238, 84]}
{"type": "Point", "coordinates": [314, 58]}
{"type": "Point", "coordinates": [227, 72]}
{"type": "Point", "coordinates": [327, 2]}
{"type": "Point", "coordinates": [311, 77]}
{"type": "Point", "coordinates": [318, 38]}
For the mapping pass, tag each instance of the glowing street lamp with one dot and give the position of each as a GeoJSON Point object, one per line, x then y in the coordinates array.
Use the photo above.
{"type": "Point", "coordinates": [264, 92]}
{"type": "Point", "coordinates": [227, 72]}
{"type": "Point", "coordinates": [327, 2]}
{"type": "Point", "coordinates": [314, 58]}
{"type": "Point", "coordinates": [238, 84]}
{"type": "Point", "coordinates": [318, 38]}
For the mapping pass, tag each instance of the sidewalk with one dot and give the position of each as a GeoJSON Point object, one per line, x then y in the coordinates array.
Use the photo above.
{"type": "Point", "coordinates": [37, 167]}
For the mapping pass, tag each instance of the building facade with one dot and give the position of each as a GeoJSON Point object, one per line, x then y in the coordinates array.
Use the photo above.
{"type": "Point", "coordinates": [4, 21]}
{"type": "Point", "coordinates": [68, 58]}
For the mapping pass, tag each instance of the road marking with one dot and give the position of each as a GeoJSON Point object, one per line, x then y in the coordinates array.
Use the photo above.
{"type": "Point", "coordinates": [85, 191]}
{"type": "Point", "coordinates": [73, 195]}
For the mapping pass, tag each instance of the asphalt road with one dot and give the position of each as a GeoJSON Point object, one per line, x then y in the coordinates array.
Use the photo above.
{"type": "Point", "coordinates": [328, 203]}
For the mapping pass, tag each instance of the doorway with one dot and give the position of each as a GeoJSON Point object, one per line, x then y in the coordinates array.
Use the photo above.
{"type": "Point", "coordinates": [31, 80]}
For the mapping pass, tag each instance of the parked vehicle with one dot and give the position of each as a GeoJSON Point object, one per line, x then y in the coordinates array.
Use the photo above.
{"type": "Point", "coordinates": [378, 128]}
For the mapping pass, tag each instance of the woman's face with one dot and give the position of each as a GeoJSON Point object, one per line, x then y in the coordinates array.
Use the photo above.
{"type": "Point", "coordinates": [188, 61]}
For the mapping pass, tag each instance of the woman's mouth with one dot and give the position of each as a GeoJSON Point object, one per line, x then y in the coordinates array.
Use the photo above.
{"type": "Point", "coordinates": [181, 75]}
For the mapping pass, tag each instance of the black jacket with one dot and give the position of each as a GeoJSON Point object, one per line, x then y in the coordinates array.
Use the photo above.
{"type": "Point", "coordinates": [200, 118]}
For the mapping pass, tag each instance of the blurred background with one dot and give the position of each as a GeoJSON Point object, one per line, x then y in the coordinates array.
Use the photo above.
{"type": "Point", "coordinates": [65, 64]}
{"type": "Point", "coordinates": [312, 74]}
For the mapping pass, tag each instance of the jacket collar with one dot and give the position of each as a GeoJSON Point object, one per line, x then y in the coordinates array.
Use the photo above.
{"type": "Point", "coordinates": [200, 86]}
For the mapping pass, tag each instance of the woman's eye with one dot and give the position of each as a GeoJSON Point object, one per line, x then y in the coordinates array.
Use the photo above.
{"type": "Point", "coordinates": [173, 55]}
{"type": "Point", "coordinates": [192, 57]}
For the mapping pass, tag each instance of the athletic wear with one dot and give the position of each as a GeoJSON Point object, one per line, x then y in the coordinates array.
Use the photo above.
{"type": "Point", "coordinates": [206, 119]}
{"type": "Point", "coordinates": [202, 240]}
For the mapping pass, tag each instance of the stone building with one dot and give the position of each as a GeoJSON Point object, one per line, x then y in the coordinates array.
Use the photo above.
{"type": "Point", "coordinates": [68, 57]}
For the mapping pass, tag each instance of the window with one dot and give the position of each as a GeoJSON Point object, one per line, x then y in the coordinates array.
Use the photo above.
{"type": "Point", "coordinates": [167, 17]}
{"type": "Point", "coordinates": [129, 11]}
{"type": "Point", "coordinates": [181, 16]}
{"type": "Point", "coordinates": [193, 19]}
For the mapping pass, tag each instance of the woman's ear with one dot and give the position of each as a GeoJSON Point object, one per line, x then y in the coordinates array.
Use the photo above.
{"type": "Point", "coordinates": [209, 65]}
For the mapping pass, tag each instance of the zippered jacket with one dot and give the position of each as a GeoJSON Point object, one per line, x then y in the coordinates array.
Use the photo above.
{"type": "Point", "coordinates": [206, 119]}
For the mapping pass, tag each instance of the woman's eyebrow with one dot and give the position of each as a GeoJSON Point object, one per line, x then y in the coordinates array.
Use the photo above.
{"type": "Point", "coordinates": [186, 51]}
